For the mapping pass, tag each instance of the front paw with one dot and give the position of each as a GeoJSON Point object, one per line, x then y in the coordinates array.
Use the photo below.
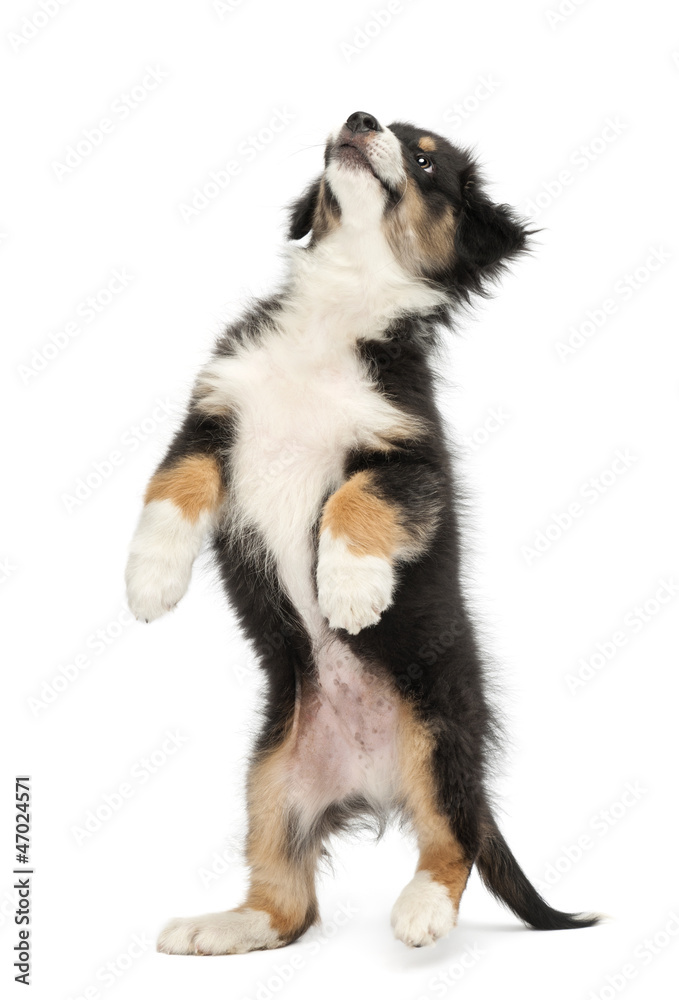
{"type": "Point", "coordinates": [353, 590]}
{"type": "Point", "coordinates": [155, 584]}
{"type": "Point", "coordinates": [161, 559]}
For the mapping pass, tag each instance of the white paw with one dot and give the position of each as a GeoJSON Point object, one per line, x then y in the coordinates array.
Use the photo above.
{"type": "Point", "coordinates": [162, 553]}
{"type": "Point", "coordinates": [229, 933]}
{"type": "Point", "coordinates": [353, 590]}
{"type": "Point", "coordinates": [154, 585]}
{"type": "Point", "coordinates": [423, 912]}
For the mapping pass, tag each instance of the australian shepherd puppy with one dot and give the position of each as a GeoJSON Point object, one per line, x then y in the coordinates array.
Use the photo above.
{"type": "Point", "coordinates": [313, 455]}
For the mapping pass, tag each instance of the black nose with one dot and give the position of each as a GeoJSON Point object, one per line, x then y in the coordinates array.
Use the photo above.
{"type": "Point", "coordinates": [361, 121]}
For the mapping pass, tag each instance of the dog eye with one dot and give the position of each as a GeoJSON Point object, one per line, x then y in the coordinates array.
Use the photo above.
{"type": "Point", "coordinates": [425, 163]}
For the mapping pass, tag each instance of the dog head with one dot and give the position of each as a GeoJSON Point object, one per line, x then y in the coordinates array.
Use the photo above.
{"type": "Point", "coordinates": [424, 194]}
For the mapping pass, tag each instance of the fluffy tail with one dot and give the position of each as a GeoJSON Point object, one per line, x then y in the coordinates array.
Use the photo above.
{"type": "Point", "coordinates": [502, 875]}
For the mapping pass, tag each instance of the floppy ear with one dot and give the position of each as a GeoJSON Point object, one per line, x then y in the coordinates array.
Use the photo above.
{"type": "Point", "coordinates": [302, 211]}
{"type": "Point", "coordinates": [487, 235]}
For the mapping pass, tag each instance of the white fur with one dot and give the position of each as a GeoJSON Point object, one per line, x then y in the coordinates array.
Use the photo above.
{"type": "Point", "coordinates": [423, 912]}
{"type": "Point", "coordinates": [229, 933]}
{"type": "Point", "coordinates": [353, 590]}
{"type": "Point", "coordinates": [360, 195]}
{"type": "Point", "coordinates": [162, 553]}
{"type": "Point", "coordinates": [351, 284]}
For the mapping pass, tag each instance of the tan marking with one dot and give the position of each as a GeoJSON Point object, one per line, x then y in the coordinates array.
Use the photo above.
{"type": "Point", "coordinates": [368, 523]}
{"type": "Point", "coordinates": [193, 484]}
{"type": "Point", "coordinates": [422, 238]}
{"type": "Point", "coordinates": [440, 852]}
{"type": "Point", "coordinates": [373, 527]}
{"type": "Point", "coordinates": [326, 213]}
{"type": "Point", "coordinates": [280, 884]}
{"type": "Point", "coordinates": [427, 143]}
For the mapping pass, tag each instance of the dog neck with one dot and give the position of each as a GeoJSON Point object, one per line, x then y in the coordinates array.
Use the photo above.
{"type": "Point", "coordinates": [351, 280]}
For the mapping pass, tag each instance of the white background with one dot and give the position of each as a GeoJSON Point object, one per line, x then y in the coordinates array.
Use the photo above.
{"type": "Point", "coordinates": [549, 90]}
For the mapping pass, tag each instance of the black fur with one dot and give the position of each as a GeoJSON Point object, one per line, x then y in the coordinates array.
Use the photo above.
{"type": "Point", "coordinates": [302, 212]}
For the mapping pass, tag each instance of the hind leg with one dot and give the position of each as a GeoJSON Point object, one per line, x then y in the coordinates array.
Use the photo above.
{"type": "Point", "coordinates": [427, 908]}
{"type": "Point", "coordinates": [281, 901]}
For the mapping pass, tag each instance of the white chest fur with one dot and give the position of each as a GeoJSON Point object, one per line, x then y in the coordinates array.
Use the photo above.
{"type": "Point", "coordinates": [302, 399]}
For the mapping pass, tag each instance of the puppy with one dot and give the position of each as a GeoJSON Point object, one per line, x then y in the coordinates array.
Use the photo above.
{"type": "Point", "coordinates": [313, 455]}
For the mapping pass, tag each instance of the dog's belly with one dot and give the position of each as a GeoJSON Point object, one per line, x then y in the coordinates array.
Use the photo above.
{"type": "Point", "coordinates": [344, 741]}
